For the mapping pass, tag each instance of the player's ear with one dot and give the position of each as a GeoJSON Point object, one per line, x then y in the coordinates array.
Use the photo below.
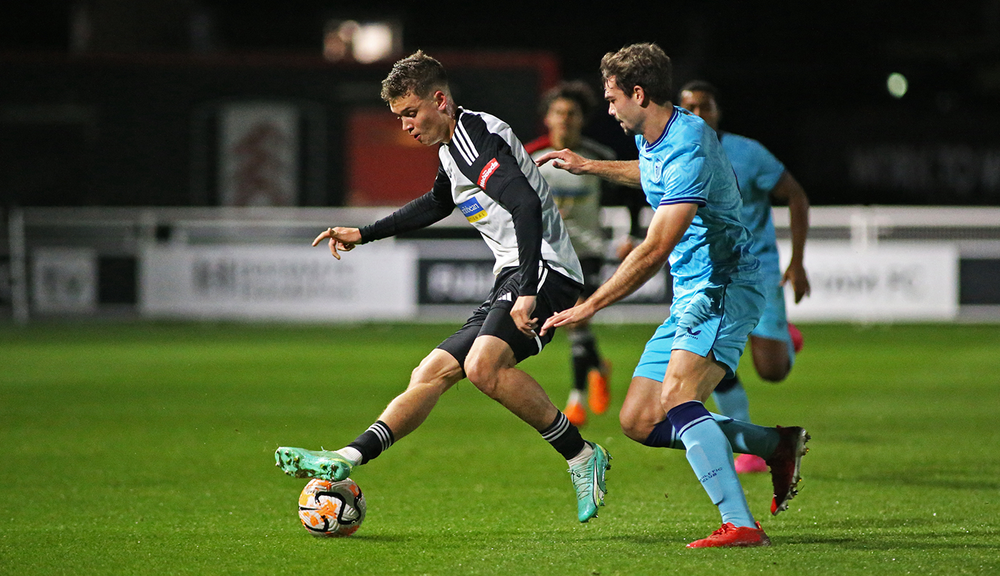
{"type": "Point", "coordinates": [639, 95]}
{"type": "Point", "coordinates": [440, 100]}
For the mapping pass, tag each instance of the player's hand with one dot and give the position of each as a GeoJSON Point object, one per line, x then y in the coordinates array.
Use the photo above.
{"type": "Point", "coordinates": [796, 274]}
{"type": "Point", "coordinates": [564, 159]}
{"type": "Point", "coordinates": [521, 314]}
{"type": "Point", "coordinates": [343, 239]}
{"type": "Point", "coordinates": [577, 313]}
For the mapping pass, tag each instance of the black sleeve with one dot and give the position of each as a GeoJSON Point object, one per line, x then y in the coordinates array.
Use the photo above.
{"type": "Point", "coordinates": [497, 172]}
{"type": "Point", "coordinates": [521, 200]}
{"type": "Point", "coordinates": [416, 214]}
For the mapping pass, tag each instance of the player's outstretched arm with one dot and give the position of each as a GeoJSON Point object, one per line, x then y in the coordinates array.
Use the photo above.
{"type": "Point", "coordinates": [642, 263]}
{"type": "Point", "coordinates": [618, 171]}
{"type": "Point", "coordinates": [340, 238]}
{"type": "Point", "coordinates": [789, 190]}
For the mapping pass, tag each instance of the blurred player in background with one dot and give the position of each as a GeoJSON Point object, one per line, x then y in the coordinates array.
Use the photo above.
{"type": "Point", "coordinates": [761, 177]}
{"type": "Point", "coordinates": [485, 172]}
{"type": "Point", "coordinates": [564, 110]}
{"type": "Point", "coordinates": [696, 225]}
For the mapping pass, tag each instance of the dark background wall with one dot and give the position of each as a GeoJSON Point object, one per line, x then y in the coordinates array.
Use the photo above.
{"type": "Point", "coordinates": [105, 101]}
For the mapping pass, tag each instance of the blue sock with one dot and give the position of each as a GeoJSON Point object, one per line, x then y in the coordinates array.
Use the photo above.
{"type": "Point", "coordinates": [744, 438]}
{"type": "Point", "coordinates": [747, 438]}
{"type": "Point", "coordinates": [731, 399]}
{"type": "Point", "coordinates": [711, 458]}
{"type": "Point", "coordinates": [664, 436]}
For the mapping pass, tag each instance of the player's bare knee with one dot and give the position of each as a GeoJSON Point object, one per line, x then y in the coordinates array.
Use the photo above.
{"type": "Point", "coordinates": [482, 374]}
{"type": "Point", "coordinates": [632, 427]}
{"type": "Point", "coordinates": [774, 372]}
{"type": "Point", "coordinates": [634, 421]}
{"type": "Point", "coordinates": [418, 375]}
{"type": "Point", "coordinates": [771, 359]}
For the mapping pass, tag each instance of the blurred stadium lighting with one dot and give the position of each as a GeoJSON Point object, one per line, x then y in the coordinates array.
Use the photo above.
{"type": "Point", "coordinates": [362, 42]}
{"type": "Point", "coordinates": [897, 85]}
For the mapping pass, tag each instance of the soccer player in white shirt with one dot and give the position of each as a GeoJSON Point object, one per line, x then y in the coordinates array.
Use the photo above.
{"type": "Point", "coordinates": [486, 173]}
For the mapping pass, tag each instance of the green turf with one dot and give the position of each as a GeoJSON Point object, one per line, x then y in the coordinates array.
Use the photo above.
{"type": "Point", "coordinates": [147, 449]}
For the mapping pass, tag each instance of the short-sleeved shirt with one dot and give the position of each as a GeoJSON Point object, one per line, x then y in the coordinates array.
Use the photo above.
{"type": "Point", "coordinates": [578, 196]}
{"type": "Point", "coordinates": [687, 164]}
{"type": "Point", "coordinates": [757, 172]}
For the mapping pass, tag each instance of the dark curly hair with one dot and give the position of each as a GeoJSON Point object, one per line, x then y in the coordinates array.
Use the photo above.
{"type": "Point", "coordinates": [575, 91]}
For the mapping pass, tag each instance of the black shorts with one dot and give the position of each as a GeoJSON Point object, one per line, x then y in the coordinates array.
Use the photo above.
{"type": "Point", "coordinates": [555, 294]}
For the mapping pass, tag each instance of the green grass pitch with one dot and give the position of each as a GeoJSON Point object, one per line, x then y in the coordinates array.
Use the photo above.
{"type": "Point", "coordinates": [134, 448]}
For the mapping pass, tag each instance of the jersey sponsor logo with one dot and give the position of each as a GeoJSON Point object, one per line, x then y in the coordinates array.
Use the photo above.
{"type": "Point", "coordinates": [488, 171]}
{"type": "Point", "coordinates": [472, 211]}
{"type": "Point", "coordinates": [505, 297]}
{"type": "Point", "coordinates": [693, 332]}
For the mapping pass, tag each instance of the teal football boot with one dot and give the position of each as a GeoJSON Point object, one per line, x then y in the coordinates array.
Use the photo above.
{"type": "Point", "coordinates": [588, 479]}
{"type": "Point", "coordinates": [321, 464]}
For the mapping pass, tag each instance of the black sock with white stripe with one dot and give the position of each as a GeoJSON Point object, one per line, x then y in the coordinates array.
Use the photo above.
{"type": "Point", "coordinates": [373, 441]}
{"type": "Point", "coordinates": [564, 437]}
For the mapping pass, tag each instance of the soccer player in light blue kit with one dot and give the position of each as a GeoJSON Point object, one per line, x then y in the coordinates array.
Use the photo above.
{"type": "Point", "coordinates": [717, 298]}
{"type": "Point", "coordinates": [761, 177]}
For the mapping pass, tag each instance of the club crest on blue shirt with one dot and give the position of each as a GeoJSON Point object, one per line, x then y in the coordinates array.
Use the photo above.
{"type": "Point", "coordinates": [656, 176]}
{"type": "Point", "coordinates": [472, 211]}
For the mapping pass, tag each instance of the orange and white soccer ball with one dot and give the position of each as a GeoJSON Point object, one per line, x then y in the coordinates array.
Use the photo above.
{"type": "Point", "coordinates": [332, 508]}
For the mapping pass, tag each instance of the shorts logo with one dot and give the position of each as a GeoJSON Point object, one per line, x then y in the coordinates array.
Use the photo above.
{"type": "Point", "coordinates": [472, 211]}
{"type": "Point", "coordinates": [488, 171]}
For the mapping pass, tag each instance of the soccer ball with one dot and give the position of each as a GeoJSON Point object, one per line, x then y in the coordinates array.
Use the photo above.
{"type": "Point", "coordinates": [332, 508]}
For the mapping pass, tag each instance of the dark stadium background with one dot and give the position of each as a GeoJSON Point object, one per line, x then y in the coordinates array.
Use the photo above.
{"type": "Point", "coordinates": [112, 124]}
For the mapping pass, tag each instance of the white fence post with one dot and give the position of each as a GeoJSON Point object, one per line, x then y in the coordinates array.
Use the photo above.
{"type": "Point", "coordinates": [18, 266]}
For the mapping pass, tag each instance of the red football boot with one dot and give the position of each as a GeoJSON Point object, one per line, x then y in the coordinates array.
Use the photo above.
{"type": "Point", "coordinates": [729, 536]}
{"type": "Point", "coordinates": [796, 334]}
{"type": "Point", "coordinates": [785, 463]}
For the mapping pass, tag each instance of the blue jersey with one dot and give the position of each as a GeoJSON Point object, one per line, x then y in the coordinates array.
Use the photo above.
{"type": "Point", "coordinates": [757, 171]}
{"type": "Point", "coordinates": [687, 164]}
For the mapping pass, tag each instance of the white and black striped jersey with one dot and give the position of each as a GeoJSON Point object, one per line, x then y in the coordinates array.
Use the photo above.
{"type": "Point", "coordinates": [486, 172]}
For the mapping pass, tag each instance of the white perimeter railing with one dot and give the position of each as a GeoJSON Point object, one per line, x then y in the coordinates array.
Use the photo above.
{"type": "Point", "coordinates": [973, 231]}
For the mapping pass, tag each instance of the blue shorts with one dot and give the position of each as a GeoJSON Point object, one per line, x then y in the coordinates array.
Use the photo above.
{"type": "Point", "coordinates": [773, 323]}
{"type": "Point", "coordinates": [717, 320]}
